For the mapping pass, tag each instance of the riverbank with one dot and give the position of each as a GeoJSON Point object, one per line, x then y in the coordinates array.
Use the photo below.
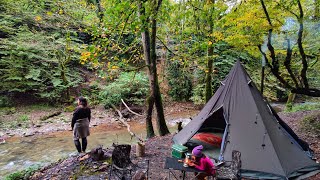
{"type": "Point", "coordinates": [157, 149]}
{"type": "Point", "coordinates": [40, 145]}
{"type": "Point", "coordinates": [30, 121]}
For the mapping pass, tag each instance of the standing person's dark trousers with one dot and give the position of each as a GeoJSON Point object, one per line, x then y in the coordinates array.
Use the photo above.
{"type": "Point", "coordinates": [78, 145]}
{"type": "Point", "coordinates": [81, 131]}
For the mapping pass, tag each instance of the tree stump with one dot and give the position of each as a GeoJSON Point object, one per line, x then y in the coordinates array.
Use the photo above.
{"type": "Point", "coordinates": [121, 155]}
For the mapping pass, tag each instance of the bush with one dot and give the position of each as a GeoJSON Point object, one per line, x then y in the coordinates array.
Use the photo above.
{"type": "Point", "coordinates": [5, 101]}
{"type": "Point", "coordinates": [130, 86]}
{"type": "Point", "coordinates": [305, 107]}
{"type": "Point", "coordinates": [24, 174]}
{"type": "Point", "coordinates": [179, 81]}
{"type": "Point", "coordinates": [198, 96]}
{"type": "Point", "coordinates": [311, 123]}
{"type": "Point", "coordinates": [92, 92]}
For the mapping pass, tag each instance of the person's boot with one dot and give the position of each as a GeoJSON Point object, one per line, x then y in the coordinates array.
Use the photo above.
{"type": "Point", "coordinates": [78, 145]}
{"type": "Point", "coordinates": [84, 144]}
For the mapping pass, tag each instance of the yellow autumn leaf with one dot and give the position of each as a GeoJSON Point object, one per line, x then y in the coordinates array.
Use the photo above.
{"type": "Point", "coordinates": [210, 42]}
{"type": "Point", "coordinates": [38, 18]}
{"type": "Point", "coordinates": [114, 67]}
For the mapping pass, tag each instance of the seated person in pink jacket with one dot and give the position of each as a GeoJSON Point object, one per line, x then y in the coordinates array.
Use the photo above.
{"type": "Point", "coordinates": [201, 162]}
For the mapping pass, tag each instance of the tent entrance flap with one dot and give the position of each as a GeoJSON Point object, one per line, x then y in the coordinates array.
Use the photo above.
{"type": "Point", "coordinates": [215, 122]}
{"type": "Point", "coordinates": [210, 134]}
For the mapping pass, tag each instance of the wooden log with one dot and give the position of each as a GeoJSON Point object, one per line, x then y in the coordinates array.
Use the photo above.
{"type": "Point", "coordinates": [130, 109]}
{"type": "Point", "coordinates": [127, 125]}
{"type": "Point", "coordinates": [140, 149]}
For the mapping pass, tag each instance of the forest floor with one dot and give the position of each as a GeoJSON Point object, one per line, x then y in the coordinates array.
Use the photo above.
{"type": "Point", "coordinates": [83, 166]}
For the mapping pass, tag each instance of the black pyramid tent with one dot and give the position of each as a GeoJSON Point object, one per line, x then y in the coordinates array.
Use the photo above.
{"type": "Point", "coordinates": [269, 148]}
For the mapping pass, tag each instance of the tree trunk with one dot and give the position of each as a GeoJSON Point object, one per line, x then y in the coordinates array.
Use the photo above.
{"type": "Point", "coordinates": [161, 123]}
{"type": "Point", "coordinates": [149, 126]}
{"type": "Point", "coordinates": [303, 72]}
{"type": "Point", "coordinates": [262, 79]}
{"type": "Point", "coordinates": [209, 74]}
{"type": "Point", "coordinates": [290, 101]}
{"type": "Point", "coordinates": [303, 86]}
{"type": "Point", "coordinates": [99, 12]}
{"type": "Point", "coordinates": [316, 10]}
{"type": "Point", "coordinates": [149, 48]}
{"type": "Point", "coordinates": [146, 49]}
{"type": "Point", "coordinates": [210, 54]}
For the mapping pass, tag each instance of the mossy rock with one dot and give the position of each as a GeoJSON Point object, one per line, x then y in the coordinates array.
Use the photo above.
{"type": "Point", "coordinates": [70, 108]}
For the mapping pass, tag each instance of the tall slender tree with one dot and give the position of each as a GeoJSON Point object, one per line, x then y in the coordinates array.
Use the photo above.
{"type": "Point", "coordinates": [149, 49]}
{"type": "Point", "coordinates": [210, 50]}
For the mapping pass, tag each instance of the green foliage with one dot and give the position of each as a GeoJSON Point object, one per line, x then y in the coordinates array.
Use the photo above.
{"type": "Point", "coordinates": [130, 86]}
{"type": "Point", "coordinates": [179, 80]}
{"type": "Point", "coordinates": [198, 94]}
{"type": "Point", "coordinates": [222, 63]}
{"type": "Point", "coordinates": [24, 174]}
{"type": "Point", "coordinates": [5, 101]}
{"type": "Point", "coordinates": [92, 92]}
{"type": "Point", "coordinates": [311, 123]}
{"type": "Point", "coordinates": [7, 110]}
{"type": "Point", "coordinates": [247, 28]}
{"type": "Point", "coordinates": [305, 107]}
{"type": "Point", "coordinates": [40, 45]}
{"type": "Point", "coordinates": [70, 108]}
{"type": "Point", "coordinates": [24, 118]}
{"type": "Point", "coordinates": [30, 64]}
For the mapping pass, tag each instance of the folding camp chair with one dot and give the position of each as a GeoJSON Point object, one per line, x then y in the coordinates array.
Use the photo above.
{"type": "Point", "coordinates": [236, 163]}
{"type": "Point", "coordinates": [122, 166]}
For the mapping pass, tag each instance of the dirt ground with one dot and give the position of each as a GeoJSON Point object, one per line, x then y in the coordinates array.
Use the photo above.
{"type": "Point", "coordinates": [83, 166]}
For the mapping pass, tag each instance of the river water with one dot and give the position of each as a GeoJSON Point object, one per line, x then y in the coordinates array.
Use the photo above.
{"type": "Point", "coordinates": [22, 152]}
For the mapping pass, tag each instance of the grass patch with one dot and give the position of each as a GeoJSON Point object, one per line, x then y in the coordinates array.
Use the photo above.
{"type": "Point", "coordinates": [24, 118]}
{"type": "Point", "coordinates": [24, 174]}
{"type": "Point", "coordinates": [304, 107]}
{"type": "Point", "coordinates": [7, 111]}
{"type": "Point", "coordinates": [311, 123]}
{"type": "Point", "coordinates": [38, 107]}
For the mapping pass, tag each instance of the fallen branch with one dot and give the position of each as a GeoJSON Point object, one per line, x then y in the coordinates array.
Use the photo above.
{"type": "Point", "coordinates": [128, 126]}
{"type": "Point", "coordinates": [130, 109]}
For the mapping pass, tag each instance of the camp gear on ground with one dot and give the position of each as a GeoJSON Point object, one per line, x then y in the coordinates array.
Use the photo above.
{"type": "Point", "coordinates": [178, 151]}
{"type": "Point", "coordinates": [209, 138]}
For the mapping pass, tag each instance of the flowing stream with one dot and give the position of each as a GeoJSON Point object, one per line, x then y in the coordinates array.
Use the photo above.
{"type": "Point", "coordinates": [19, 153]}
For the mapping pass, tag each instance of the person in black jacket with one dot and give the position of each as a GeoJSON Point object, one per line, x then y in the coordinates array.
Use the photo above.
{"type": "Point", "coordinates": [80, 124]}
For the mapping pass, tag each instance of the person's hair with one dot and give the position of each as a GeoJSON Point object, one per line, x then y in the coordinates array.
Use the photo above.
{"type": "Point", "coordinates": [83, 101]}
